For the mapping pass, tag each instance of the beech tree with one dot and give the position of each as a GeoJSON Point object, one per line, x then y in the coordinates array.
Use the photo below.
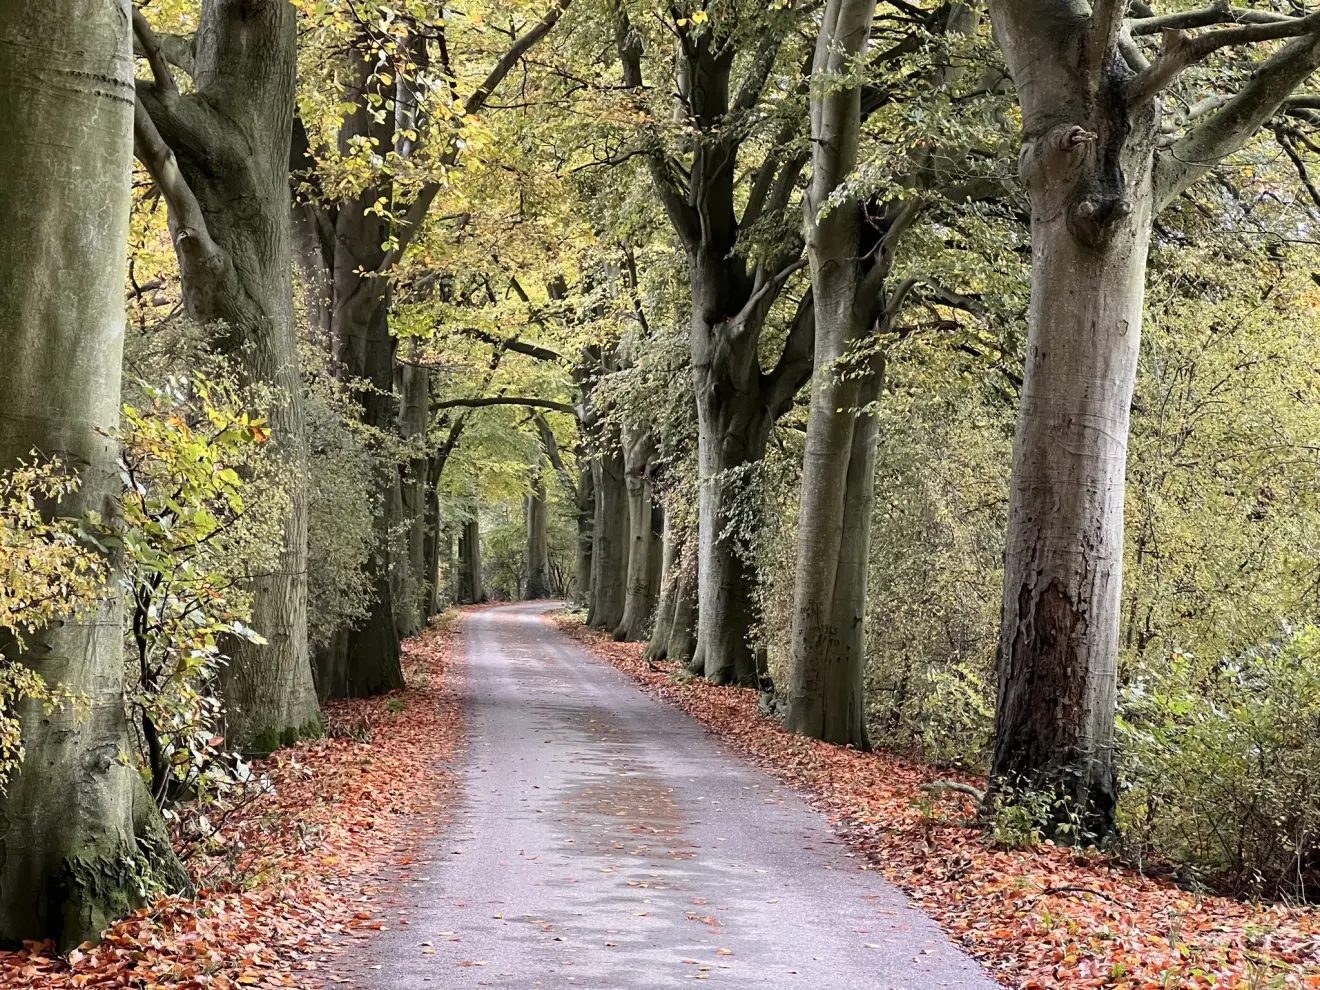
{"type": "Point", "coordinates": [361, 222]}
{"type": "Point", "coordinates": [697, 166]}
{"type": "Point", "coordinates": [825, 682]}
{"type": "Point", "coordinates": [1114, 133]}
{"type": "Point", "coordinates": [219, 155]}
{"type": "Point", "coordinates": [77, 821]}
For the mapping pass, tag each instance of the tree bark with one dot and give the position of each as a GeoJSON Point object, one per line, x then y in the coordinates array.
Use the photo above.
{"type": "Point", "coordinates": [609, 551]}
{"type": "Point", "coordinates": [471, 590]}
{"type": "Point", "coordinates": [734, 425]}
{"type": "Point", "coordinates": [411, 584]}
{"type": "Point", "coordinates": [825, 697]}
{"type": "Point", "coordinates": [538, 543]}
{"type": "Point", "coordinates": [586, 521]}
{"type": "Point", "coordinates": [68, 817]}
{"type": "Point", "coordinates": [657, 647]}
{"type": "Point", "coordinates": [231, 140]}
{"type": "Point", "coordinates": [640, 592]}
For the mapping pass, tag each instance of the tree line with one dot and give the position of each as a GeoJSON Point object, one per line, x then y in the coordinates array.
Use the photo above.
{"type": "Point", "coordinates": [677, 283]}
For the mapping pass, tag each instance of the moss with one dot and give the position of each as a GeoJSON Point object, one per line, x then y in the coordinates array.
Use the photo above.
{"type": "Point", "coordinates": [96, 885]}
{"type": "Point", "coordinates": [269, 740]}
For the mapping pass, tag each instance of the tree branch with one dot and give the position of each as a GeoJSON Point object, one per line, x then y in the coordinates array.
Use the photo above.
{"type": "Point", "coordinates": [514, 344]}
{"type": "Point", "coordinates": [1181, 51]}
{"type": "Point", "coordinates": [197, 251]}
{"type": "Point", "coordinates": [416, 214]}
{"type": "Point", "coordinates": [508, 400]}
{"type": "Point", "coordinates": [1227, 129]}
{"type": "Point", "coordinates": [795, 364]}
{"type": "Point", "coordinates": [1205, 17]}
{"type": "Point", "coordinates": [552, 454]}
{"type": "Point", "coordinates": [146, 39]}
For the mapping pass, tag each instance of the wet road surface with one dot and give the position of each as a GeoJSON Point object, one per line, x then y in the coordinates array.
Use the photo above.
{"type": "Point", "coordinates": [606, 840]}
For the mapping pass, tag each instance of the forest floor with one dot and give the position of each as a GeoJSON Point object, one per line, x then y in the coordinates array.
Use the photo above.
{"type": "Point", "coordinates": [1046, 917]}
{"type": "Point", "coordinates": [290, 880]}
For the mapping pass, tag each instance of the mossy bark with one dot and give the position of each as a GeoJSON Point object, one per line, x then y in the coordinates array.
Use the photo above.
{"type": "Point", "coordinates": [69, 862]}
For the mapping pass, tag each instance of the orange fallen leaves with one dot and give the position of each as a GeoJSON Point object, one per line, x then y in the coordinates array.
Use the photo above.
{"type": "Point", "coordinates": [1043, 919]}
{"type": "Point", "coordinates": [342, 821]}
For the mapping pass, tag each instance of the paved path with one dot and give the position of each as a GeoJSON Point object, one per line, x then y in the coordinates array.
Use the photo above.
{"type": "Point", "coordinates": [606, 840]}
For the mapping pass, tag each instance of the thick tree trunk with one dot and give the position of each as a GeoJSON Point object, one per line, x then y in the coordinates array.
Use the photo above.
{"type": "Point", "coordinates": [825, 698]}
{"type": "Point", "coordinates": [538, 543]}
{"type": "Point", "coordinates": [365, 349]}
{"type": "Point", "coordinates": [1087, 163]}
{"type": "Point", "coordinates": [471, 590]}
{"type": "Point", "coordinates": [68, 816]}
{"type": "Point", "coordinates": [682, 642]}
{"type": "Point", "coordinates": [1054, 724]}
{"type": "Point", "coordinates": [231, 139]}
{"type": "Point", "coordinates": [643, 552]}
{"type": "Point", "coordinates": [411, 573]}
{"type": "Point", "coordinates": [586, 521]}
{"type": "Point", "coordinates": [734, 428]}
{"type": "Point", "coordinates": [609, 550]}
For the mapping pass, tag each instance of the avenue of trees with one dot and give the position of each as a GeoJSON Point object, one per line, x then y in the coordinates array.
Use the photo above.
{"type": "Point", "coordinates": [945, 372]}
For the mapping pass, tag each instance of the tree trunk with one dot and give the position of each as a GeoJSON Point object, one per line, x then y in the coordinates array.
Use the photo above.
{"type": "Point", "coordinates": [365, 349]}
{"type": "Point", "coordinates": [609, 550]}
{"type": "Point", "coordinates": [68, 818]}
{"type": "Point", "coordinates": [640, 589]}
{"type": "Point", "coordinates": [1087, 164]}
{"type": "Point", "coordinates": [825, 698]}
{"type": "Point", "coordinates": [231, 139]}
{"type": "Point", "coordinates": [412, 572]}
{"type": "Point", "coordinates": [433, 541]}
{"type": "Point", "coordinates": [471, 590]}
{"type": "Point", "coordinates": [683, 630]}
{"type": "Point", "coordinates": [657, 647]}
{"type": "Point", "coordinates": [734, 428]}
{"type": "Point", "coordinates": [1058, 650]}
{"type": "Point", "coordinates": [538, 544]}
{"type": "Point", "coordinates": [586, 521]}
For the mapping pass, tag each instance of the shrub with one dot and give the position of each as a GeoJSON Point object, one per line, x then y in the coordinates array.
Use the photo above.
{"type": "Point", "coordinates": [1221, 766]}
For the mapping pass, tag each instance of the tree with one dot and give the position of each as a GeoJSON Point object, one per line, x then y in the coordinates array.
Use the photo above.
{"type": "Point", "coordinates": [1105, 149]}
{"type": "Point", "coordinates": [696, 174]}
{"type": "Point", "coordinates": [825, 681]}
{"type": "Point", "coordinates": [538, 546]}
{"type": "Point", "coordinates": [364, 217]}
{"type": "Point", "coordinates": [78, 822]}
{"type": "Point", "coordinates": [643, 547]}
{"type": "Point", "coordinates": [219, 155]}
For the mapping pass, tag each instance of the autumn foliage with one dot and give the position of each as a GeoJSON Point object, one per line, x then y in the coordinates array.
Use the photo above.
{"type": "Point", "coordinates": [1048, 917]}
{"type": "Point", "coordinates": [292, 878]}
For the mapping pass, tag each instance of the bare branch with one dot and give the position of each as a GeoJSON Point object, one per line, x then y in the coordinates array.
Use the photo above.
{"type": "Point", "coordinates": [795, 364]}
{"type": "Point", "coordinates": [552, 454]}
{"type": "Point", "coordinates": [516, 51]}
{"type": "Point", "coordinates": [146, 39]}
{"type": "Point", "coordinates": [514, 344]}
{"type": "Point", "coordinates": [197, 251]}
{"type": "Point", "coordinates": [1204, 17]}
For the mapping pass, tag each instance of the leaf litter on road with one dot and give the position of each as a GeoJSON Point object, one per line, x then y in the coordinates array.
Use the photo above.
{"type": "Point", "coordinates": [1049, 918]}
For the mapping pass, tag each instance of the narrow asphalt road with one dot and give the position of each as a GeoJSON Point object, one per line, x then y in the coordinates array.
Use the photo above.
{"type": "Point", "coordinates": [605, 840]}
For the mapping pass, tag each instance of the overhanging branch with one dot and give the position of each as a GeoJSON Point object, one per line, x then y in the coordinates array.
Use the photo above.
{"type": "Point", "coordinates": [509, 400]}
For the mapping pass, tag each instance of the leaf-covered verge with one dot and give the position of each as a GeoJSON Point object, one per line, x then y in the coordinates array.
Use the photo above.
{"type": "Point", "coordinates": [288, 880]}
{"type": "Point", "coordinates": [1047, 917]}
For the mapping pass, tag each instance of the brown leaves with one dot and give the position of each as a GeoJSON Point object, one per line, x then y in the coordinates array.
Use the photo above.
{"type": "Point", "coordinates": [299, 862]}
{"type": "Point", "coordinates": [1047, 918]}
